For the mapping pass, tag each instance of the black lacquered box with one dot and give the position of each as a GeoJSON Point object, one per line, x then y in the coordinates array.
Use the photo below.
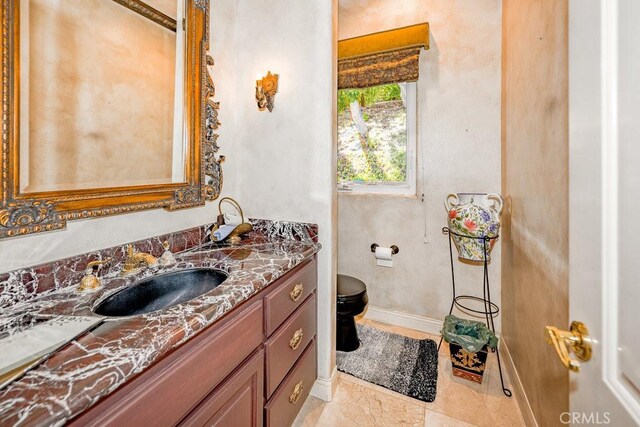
{"type": "Point", "coordinates": [467, 365]}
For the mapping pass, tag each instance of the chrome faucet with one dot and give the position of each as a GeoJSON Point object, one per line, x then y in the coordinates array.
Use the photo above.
{"type": "Point", "coordinates": [136, 260]}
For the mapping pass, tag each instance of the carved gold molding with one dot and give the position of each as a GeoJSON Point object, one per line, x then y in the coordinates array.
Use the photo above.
{"type": "Point", "coordinates": [32, 213]}
{"type": "Point", "coordinates": [212, 168]}
{"type": "Point", "coordinates": [149, 12]}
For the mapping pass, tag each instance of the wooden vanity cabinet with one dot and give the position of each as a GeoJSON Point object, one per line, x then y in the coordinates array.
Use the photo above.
{"type": "Point", "coordinates": [241, 371]}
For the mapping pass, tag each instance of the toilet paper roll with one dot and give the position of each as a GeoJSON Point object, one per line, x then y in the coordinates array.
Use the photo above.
{"type": "Point", "coordinates": [383, 257]}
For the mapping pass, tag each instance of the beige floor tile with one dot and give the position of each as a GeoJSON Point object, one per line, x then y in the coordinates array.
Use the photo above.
{"type": "Point", "coordinates": [479, 404]}
{"type": "Point", "coordinates": [311, 412]}
{"type": "Point", "coordinates": [436, 419]}
{"type": "Point", "coordinates": [380, 389]}
{"type": "Point", "coordinates": [458, 402]}
{"type": "Point", "coordinates": [355, 404]}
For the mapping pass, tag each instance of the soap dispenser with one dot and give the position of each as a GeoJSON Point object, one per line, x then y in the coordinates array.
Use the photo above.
{"type": "Point", "coordinates": [167, 258]}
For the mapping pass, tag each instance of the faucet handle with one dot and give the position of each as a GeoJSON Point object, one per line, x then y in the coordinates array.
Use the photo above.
{"type": "Point", "coordinates": [130, 250]}
{"type": "Point", "coordinates": [90, 281]}
{"type": "Point", "coordinates": [97, 263]}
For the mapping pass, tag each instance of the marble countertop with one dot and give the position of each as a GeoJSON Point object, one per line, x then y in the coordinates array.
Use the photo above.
{"type": "Point", "coordinates": [97, 363]}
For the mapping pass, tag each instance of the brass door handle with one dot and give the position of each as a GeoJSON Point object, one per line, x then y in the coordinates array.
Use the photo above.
{"type": "Point", "coordinates": [297, 391]}
{"type": "Point", "coordinates": [296, 292]}
{"type": "Point", "coordinates": [576, 339]}
{"type": "Point", "coordinates": [296, 340]}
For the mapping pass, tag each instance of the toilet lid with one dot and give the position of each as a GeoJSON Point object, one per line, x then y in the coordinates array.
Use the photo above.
{"type": "Point", "coordinates": [349, 287]}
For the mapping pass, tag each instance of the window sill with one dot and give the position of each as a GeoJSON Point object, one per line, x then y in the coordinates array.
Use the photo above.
{"type": "Point", "coordinates": [369, 194]}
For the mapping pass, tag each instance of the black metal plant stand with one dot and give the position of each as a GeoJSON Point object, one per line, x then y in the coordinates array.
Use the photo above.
{"type": "Point", "coordinates": [490, 309]}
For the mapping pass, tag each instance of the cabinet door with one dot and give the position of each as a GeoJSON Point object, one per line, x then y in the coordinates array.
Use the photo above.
{"type": "Point", "coordinates": [237, 402]}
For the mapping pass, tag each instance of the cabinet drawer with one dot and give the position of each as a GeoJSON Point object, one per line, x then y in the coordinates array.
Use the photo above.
{"type": "Point", "coordinates": [288, 296]}
{"type": "Point", "coordinates": [166, 392]}
{"type": "Point", "coordinates": [283, 408]}
{"type": "Point", "coordinates": [288, 343]}
{"type": "Point", "coordinates": [237, 402]}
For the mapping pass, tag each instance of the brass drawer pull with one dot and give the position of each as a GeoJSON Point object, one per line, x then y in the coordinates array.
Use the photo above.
{"type": "Point", "coordinates": [297, 391]}
{"type": "Point", "coordinates": [296, 292]}
{"type": "Point", "coordinates": [296, 340]}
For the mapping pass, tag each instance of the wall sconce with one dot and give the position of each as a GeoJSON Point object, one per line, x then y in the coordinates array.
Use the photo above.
{"type": "Point", "coordinates": [266, 89]}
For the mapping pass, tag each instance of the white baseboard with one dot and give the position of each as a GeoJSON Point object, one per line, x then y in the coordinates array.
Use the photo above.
{"type": "Point", "coordinates": [516, 384]}
{"type": "Point", "coordinates": [405, 320]}
{"type": "Point", "coordinates": [325, 388]}
{"type": "Point", "coordinates": [409, 321]}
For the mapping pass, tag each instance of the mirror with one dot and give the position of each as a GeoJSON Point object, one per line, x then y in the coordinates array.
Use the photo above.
{"type": "Point", "coordinates": [99, 84]}
{"type": "Point", "coordinates": [108, 109]}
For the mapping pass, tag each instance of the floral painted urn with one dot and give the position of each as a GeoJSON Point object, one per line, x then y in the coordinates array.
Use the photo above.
{"type": "Point", "coordinates": [474, 215]}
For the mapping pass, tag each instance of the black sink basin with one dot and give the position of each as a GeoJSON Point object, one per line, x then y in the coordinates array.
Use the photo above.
{"type": "Point", "coordinates": [158, 292]}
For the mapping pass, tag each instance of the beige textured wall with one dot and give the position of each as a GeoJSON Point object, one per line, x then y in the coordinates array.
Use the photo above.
{"type": "Point", "coordinates": [99, 85]}
{"type": "Point", "coordinates": [535, 180]}
{"type": "Point", "coordinates": [459, 140]}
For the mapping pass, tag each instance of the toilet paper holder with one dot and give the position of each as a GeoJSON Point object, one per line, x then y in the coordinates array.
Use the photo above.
{"type": "Point", "coordinates": [394, 248]}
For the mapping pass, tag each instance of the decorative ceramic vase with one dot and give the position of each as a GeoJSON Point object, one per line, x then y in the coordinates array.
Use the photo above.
{"type": "Point", "coordinates": [474, 215]}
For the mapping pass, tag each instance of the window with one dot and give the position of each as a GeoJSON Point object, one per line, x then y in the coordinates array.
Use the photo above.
{"type": "Point", "coordinates": [377, 139]}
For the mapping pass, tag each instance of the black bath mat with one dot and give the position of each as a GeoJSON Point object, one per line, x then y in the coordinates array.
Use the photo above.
{"type": "Point", "coordinates": [404, 365]}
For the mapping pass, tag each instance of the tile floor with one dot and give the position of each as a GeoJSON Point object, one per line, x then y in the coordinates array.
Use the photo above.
{"type": "Point", "coordinates": [458, 402]}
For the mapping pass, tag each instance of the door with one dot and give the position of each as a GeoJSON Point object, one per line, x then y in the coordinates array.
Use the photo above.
{"type": "Point", "coordinates": [604, 202]}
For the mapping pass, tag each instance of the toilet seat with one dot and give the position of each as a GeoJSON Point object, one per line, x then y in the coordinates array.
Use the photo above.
{"type": "Point", "coordinates": [352, 295]}
{"type": "Point", "coordinates": [350, 288]}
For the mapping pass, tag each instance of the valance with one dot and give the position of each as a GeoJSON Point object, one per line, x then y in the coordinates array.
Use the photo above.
{"type": "Point", "coordinates": [382, 58]}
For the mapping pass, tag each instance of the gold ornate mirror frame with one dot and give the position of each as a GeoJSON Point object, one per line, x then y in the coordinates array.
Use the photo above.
{"type": "Point", "coordinates": [37, 212]}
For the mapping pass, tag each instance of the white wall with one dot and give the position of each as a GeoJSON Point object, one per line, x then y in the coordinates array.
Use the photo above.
{"type": "Point", "coordinates": [283, 162]}
{"type": "Point", "coordinates": [459, 140]}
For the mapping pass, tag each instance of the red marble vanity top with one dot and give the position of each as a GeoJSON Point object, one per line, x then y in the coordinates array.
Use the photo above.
{"type": "Point", "coordinates": [97, 363]}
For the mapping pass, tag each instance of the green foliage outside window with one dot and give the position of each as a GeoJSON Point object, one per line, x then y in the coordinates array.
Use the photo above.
{"type": "Point", "coordinates": [367, 96]}
{"type": "Point", "coordinates": [380, 156]}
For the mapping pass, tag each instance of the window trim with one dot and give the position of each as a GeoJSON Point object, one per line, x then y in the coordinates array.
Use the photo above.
{"type": "Point", "coordinates": [409, 186]}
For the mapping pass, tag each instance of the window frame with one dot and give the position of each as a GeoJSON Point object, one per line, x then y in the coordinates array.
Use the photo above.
{"type": "Point", "coordinates": [408, 187]}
